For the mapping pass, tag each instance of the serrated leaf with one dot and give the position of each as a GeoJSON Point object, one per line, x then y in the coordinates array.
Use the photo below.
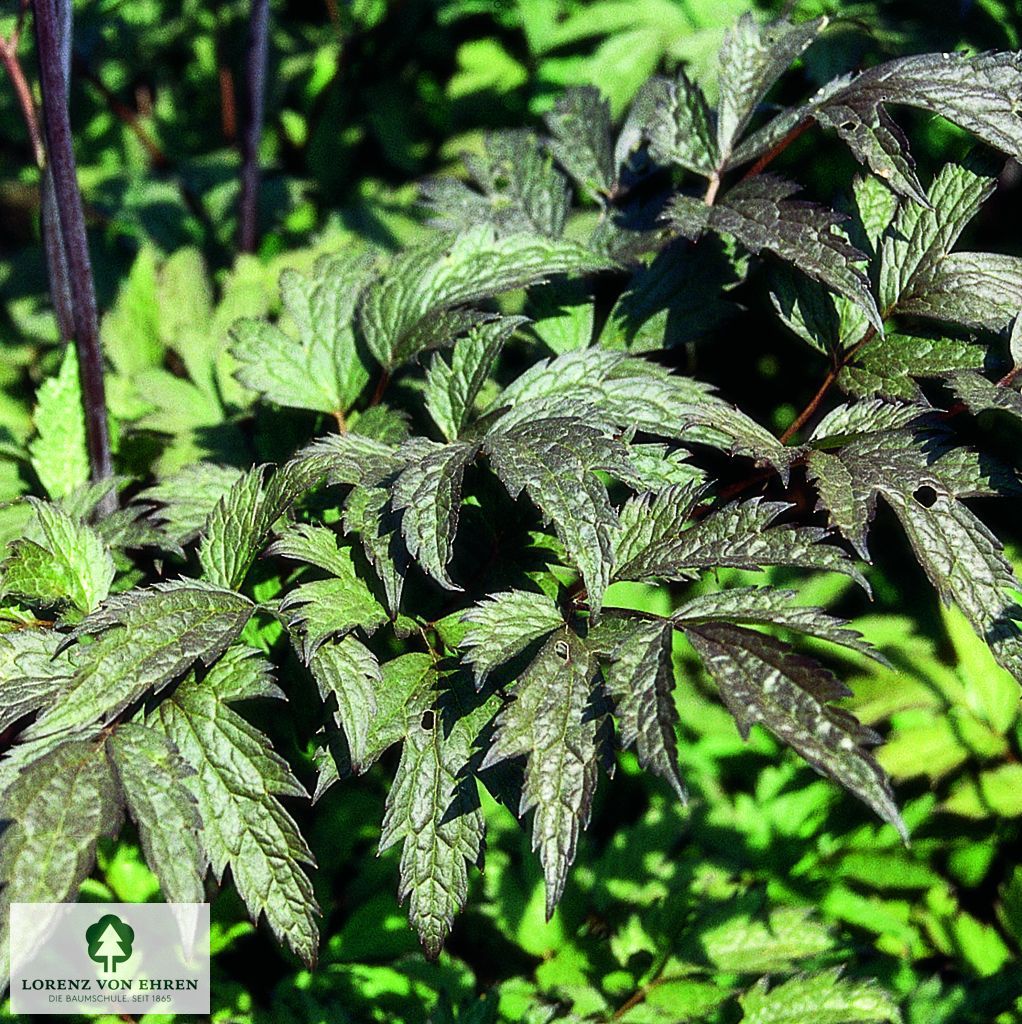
{"type": "Point", "coordinates": [331, 607]}
{"type": "Point", "coordinates": [57, 808]}
{"type": "Point", "coordinates": [847, 508]}
{"type": "Point", "coordinates": [452, 387]}
{"type": "Point", "coordinates": [242, 519]}
{"type": "Point", "coordinates": [367, 512]}
{"type": "Point", "coordinates": [764, 681]}
{"type": "Point", "coordinates": [581, 142]}
{"type": "Point", "coordinates": [920, 238]}
{"type": "Point", "coordinates": [237, 780]}
{"type": "Point", "coordinates": [349, 672]}
{"type": "Point", "coordinates": [746, 937]}
{"type": "Point", "coordinates": [409, 310]}
{"type": "Point", "coordinates": [978, 93]}
{"type": "Point", "coordinates": [519, 189]}
{"type": "Point", "coordinates": [888, 365]}
{"type": "Point", "coordinates": [826, 997]}
{"type": "Point", "coordinates": [554, 460]}
{"type": "Point", "coordinates": [966, 564]}
{"type": "Point", "coordinates": [976, 289]}
{"type": "Point", "coordinates": [680, 128]}
{"type": "Point", "coordinates": [651, 520]}
{"type": "Point", "coordinates": [321, 368]}
{"type": "Point", "coordinates": [148, 638]}
{"type": "Point", "coordinates": [503, 625]}
{"type": "Point", "coordinates": [739, 536]}
{"type": "Point", "coordinates": [548, 724]}
{"type": "Point", "coordinates": [59, 452]}
{"type": "Point", "coordinates": [185, 499]}
{"type": "Point", "coordinates": [760, 214]}
{"type": "Point", "coordinates": [980, 395]}
{"type": "Point", "coordinates": [60, 560]}
{"type": "Point", "coordinates": [771, 606]}
{"type": "Point", "coordinates": [407, 690]}
{"type": "Point", "coordinates": [428, 493]}
{"type": "Point", "coordinates": [32, 672]}
{"type": "Point", "coordinates": [752, 58]}
{"type": "Point", "coordinates": [639, 676]}
{"type": "Point", "coordinates": [433, 806]}
{"type": "Point", "coordinates": [153, 776]}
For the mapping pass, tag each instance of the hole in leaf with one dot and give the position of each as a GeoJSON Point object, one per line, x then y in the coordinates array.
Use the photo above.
{"type": "Point", "coordinates": [428, 720]}
{"type": "Point", "coordinates": [925, 495]}
{"type": "Point", "coordinates": [848, 126]}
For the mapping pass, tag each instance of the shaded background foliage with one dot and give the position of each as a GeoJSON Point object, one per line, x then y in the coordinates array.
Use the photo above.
{"type": "Point", "coordinates": [670, 910]}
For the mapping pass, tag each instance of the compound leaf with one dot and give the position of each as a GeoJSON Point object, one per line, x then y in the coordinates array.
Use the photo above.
{"type": "Point", "coordinates": [412, 307]}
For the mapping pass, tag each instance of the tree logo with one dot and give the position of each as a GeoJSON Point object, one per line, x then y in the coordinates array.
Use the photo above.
{"type": "Point", "coordinates": [109, 941]}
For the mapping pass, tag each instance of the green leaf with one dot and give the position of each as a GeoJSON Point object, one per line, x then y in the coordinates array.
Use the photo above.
{"type": "Point", "coordinates": [649, 521]}
{"type": "Point", "coordinates": [237, 780]}
{"type": "Point", "coordinates": [771, 606]}
{"type": "Point", "coordinates": [153, 778]}
{"type": "Point", "coordinates": [745, 937]}
{"type": "Point", "coordinates": [407, 690]}
{"type": "Point", "coordinates": [554, 460]}
{"type": "Point", "coordinates": [185, 499]}
{"type": "Point", "coordinates": [503, 625]}
{"type": "Point", "coordinates": [412, 307]}
{"type": "Point", "coordinates": [966, 564]}
{"type": "Point", "coordinates": [32, 672]}
{"type": "Point", "coordinates": [242, 519]}
{"type": "Point", "coordinates": [921, 238]}
{"type": "Point", "coordinates": [639, 676]}
{"type": "Point", "coordinates": [59, 452]}
{"type": "Point", "coordinates": [976, 289]}
{"type": "Point", "coordinates": [60, 560]}
{"type": "Point", "coordinates": [452, 387]}
{"type": "Point", "coordinates": [581, 142]}
{"type": "Point", "coordinates": [826, 997]}
{"type": "Point", "coordinates": [130, 330]}
{"type": "Point", "coordinates": [887, 365]}
{"type": "Point", "coordinates": [680, 129]}
{"type": "Point", "coordinates": [57, 808]}
{"type": "Point", "coordinates": [980, 395]}
{"type": "Point", "coordinates": [760, 214]}
{"type": "Point", "coordinates": [752, 58]}
{"type": "Point", "coordinates": [368, 513]}
{"type": "Point", "coordinates": [547, 723]}
{"type": "Point", "coordinates": [433, 805]}
{"type": "Point", "coordinates": [348, 671]}
{"type": "Point", "coordinates": [519, 189]}
{"type": "Point", "coordinates": [738, 536]}
{"type": "Point", "coordinates": [765, 681]}
{"type": "Point", "coordinates": [976, 93]}
{"type": "Point", "coordinates": [428, 493]}
{"type": "Point", "coordinates": [331, 607]}
{"type": "Point", "coordinates": [148, 638]}
{"type": "Point", "coordinates": [321, 368]}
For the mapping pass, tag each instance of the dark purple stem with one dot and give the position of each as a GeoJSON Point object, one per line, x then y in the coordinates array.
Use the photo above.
{"type": "Point", "coordinates": [255, 78]}
{"type": "Point", "coordinates": [69, 219]}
